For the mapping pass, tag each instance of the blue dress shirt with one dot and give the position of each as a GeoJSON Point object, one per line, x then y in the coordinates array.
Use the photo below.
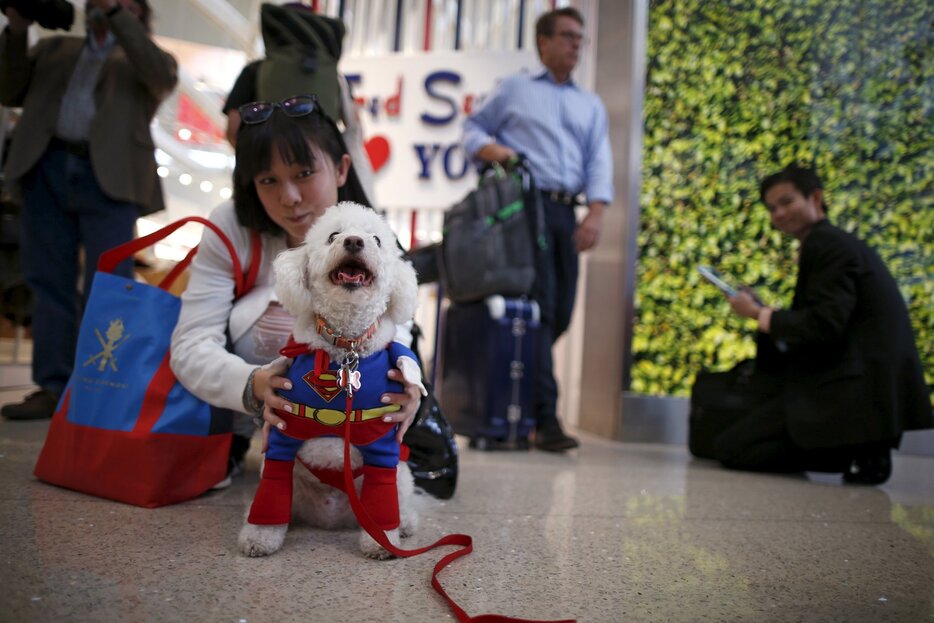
{"type": "Point", "coordinates": [78, 104]}
{"type": "Point", "coordinates": [561, 128]}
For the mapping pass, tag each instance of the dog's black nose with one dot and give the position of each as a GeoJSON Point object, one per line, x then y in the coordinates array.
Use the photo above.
{"type": "Point", "coordinates": [353, 244]}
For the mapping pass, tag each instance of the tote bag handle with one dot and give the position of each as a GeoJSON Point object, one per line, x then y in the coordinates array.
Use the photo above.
{"type": "Point", "coordinates": [109, 260]}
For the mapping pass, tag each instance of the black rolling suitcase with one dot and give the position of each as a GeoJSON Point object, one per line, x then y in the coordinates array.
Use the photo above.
{"type": "Point", "coordinates": [488, 359]}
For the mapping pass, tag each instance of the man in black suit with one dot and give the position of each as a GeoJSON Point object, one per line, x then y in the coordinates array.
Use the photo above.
{"type": "Point", "coordinates": [853, 380]}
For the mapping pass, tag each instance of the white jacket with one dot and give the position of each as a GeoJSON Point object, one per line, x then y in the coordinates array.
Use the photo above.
{"type": "Point", "coordinates": [199, 355]}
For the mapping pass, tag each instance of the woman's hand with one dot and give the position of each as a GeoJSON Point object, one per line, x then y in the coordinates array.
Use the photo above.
{"type": "Point", "coordinates": [408, 400]}
{"type": "Point", "coordinates": [267, 380]}
{"type": "Point", "coordinates": [266, 428]}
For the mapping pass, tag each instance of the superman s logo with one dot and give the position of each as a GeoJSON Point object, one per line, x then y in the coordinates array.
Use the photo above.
{"type": "Point", "coordinates": [324, 384]}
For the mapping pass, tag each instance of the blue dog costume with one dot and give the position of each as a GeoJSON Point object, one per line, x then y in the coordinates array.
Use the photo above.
{"type": "Point", "coordinates": [319, 404]}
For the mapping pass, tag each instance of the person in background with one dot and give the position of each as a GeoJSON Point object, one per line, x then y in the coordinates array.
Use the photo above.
{"type": "Point", "coordinates": [562, 130]}
{"type": "Point", "coordinates": [853, 380]}
{"type": "Point", "coordinates": [83, 157]}
{"type": "Point", "coordinates": [302, 51]}
{"type": "Point", "coordinates": [291, 165]}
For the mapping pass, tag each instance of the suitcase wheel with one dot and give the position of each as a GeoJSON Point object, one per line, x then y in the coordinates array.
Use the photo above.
{"type": "Point", "coordinates": [479, 443]}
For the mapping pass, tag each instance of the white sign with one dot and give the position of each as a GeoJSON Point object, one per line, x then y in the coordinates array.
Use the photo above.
{"type": "Point", "coordinates": [413, 109]}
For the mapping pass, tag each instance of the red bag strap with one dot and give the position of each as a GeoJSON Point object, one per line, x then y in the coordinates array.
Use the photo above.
{"type": "Point", "coordinates": [256, 249]}
{"type": "Point", "coordinates": [177, 270]}
{"type": "Point", "coordinates": [243, 283]}
{"type": "Point", "coordinates": [463, 541]}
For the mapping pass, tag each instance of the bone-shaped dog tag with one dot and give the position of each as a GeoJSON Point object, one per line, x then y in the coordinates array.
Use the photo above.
{"type": "Point", "coordinates": [350, 381]}
{"type": "Point", "coordinates": [349, 377]}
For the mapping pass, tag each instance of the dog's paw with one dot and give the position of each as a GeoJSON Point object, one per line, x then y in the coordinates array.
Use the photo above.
{"type": "Point", "coordinates": [372, 549]}
{"type": "Point", "coordinates": [409, 524]}
{"type": "Point", "coordinates": [258, 541]}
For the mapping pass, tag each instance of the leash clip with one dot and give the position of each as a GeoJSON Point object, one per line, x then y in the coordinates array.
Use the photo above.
{"type": "Point", "coordinates": [349, 375]}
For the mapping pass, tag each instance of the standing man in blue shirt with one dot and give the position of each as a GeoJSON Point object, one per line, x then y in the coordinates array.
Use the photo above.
{"type": "Point", "coordinates": [83, 157]}
{"type": "Point", "coordinates": [562, 130]}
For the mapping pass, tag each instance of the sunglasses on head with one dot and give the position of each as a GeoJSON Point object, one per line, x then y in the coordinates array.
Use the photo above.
{"type": "Point", "coordinates": [296, 106]}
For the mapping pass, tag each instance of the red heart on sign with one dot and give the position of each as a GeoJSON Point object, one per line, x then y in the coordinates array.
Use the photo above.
{"type": "Point", "coordinates": [377, 148]}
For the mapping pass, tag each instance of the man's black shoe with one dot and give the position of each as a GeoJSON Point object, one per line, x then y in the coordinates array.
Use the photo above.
{"type": "Point", "coordinates": [38, 405]}
{"type": "Point", "coordinates": [871, 469]}
{"type": "Point", "coordinates": [554, 440]}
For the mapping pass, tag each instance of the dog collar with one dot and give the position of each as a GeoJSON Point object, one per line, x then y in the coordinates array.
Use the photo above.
{"type": "Point", "coordinates": [325, 331]}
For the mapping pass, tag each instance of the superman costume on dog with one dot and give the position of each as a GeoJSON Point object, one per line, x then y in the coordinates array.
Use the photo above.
{"type": "Point", "coordinates": [319, 409]}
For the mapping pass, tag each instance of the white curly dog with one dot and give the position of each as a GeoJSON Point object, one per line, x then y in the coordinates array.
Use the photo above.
{"type": "Point", "coordinates": [348, 288]}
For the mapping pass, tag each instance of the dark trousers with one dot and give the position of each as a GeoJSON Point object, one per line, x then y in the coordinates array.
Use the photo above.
{"type": "Point", "coordinates": [760, 442]}
{"type": "Point", "coordinates": [555, 291]}
{"type": "Point", "coordinates": [64, 208]}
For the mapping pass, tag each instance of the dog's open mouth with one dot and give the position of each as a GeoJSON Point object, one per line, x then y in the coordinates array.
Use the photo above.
{"type": "Point", "coordinates": [352, 274]}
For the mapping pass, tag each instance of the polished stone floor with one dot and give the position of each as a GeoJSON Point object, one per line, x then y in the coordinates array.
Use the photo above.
{"type": "Point", "coordinates": [611, 533]}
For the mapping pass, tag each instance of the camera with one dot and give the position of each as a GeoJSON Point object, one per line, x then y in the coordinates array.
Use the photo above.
{"type": "Point", "coordinates": [50, 14]}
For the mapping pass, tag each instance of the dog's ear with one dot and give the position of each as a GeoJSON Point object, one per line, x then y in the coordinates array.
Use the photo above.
{"type": "Point", "coordinates": [291, 287]}
{"type": "Point", "coordinates": [403, 299]}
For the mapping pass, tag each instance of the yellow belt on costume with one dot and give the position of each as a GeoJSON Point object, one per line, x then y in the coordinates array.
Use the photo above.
{"type": "Point", "coordinates": [336, 417]}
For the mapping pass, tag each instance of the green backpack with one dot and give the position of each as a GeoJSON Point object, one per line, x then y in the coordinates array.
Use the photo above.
{"type": "Point", "coordinates": [302, 50]}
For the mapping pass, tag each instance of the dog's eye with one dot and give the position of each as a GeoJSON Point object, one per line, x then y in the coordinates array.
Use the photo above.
{"type": "Point", "coordinates": [378, 243]}
{"type": "Point", "coordinates": [332, 237]}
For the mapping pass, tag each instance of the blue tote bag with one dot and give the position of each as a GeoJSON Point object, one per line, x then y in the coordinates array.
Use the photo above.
{"type": "Point", "coordinates": [125, 428]}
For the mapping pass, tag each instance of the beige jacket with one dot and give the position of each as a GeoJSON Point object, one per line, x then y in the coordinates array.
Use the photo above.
{"type": "Point", "coordinates": [134, 80]}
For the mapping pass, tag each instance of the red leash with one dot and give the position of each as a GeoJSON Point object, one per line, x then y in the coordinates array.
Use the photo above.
{"type": "Point", "coordinates": [463, 541]}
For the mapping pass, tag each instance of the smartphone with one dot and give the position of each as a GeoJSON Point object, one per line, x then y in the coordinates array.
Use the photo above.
{"type": "Point", "coordinates": [711, 275]}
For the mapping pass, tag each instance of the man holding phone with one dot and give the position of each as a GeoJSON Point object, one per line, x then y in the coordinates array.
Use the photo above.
{"type": "Point", "coordinates": [853, 380]}
{"type": "Point", "coordinates": [83, 157]}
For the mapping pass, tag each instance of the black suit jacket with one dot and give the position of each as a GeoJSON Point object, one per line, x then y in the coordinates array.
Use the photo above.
{"type": "Point", "coordinates": [853, 373]}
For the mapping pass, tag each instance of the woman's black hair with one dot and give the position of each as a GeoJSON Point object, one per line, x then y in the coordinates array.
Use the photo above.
{"type": "Point", "coordinates": [804, 179]}
{"type": "Point", "coordinates": [293, 137]}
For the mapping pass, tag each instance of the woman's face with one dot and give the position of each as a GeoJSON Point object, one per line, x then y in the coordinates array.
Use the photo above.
{"type": "Point", "coordinates": [295, 195]}
{"type": "Point", "coordinates": [791, 212]}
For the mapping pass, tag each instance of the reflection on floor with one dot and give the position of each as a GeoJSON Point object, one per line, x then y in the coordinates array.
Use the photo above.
{"type": "Point", "coordinates": [614, 533]}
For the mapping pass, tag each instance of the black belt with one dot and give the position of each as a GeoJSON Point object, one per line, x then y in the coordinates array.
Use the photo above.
{"type": "Point", "coordinates": [562, 197]}
{"type": "Point", "coordinates": [76, 148]}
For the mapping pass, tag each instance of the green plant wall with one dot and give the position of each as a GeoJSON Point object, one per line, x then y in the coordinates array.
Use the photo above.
{"type": "Point", "coordinates": [737, 89]}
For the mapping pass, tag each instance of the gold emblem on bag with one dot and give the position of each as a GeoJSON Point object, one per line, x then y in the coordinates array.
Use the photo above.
{"type": "Point", "coordinates": [115, 338]}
